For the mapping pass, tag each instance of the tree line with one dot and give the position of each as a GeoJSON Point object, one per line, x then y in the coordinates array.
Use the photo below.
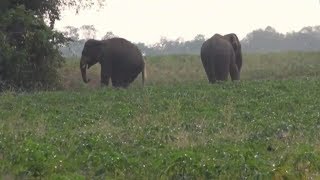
{"type": "Point", "coordinates": [258, 41]}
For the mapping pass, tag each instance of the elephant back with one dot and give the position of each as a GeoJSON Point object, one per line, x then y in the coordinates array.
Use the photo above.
{"type": "Point", "coordinates": [128, 51]}
{"type": "Point", "coordinates": [216, 45]}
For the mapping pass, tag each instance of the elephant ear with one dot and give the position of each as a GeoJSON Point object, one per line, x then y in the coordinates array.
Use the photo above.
{"type": "Point", "coordinates": [92, 51]}
{"type": "Point", "coordinates": [233, 39]}
{"type": "Point", "coordinates": [91, 45]}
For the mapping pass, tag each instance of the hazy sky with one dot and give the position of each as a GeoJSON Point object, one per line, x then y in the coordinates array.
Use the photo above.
{"type": "Point", "coordinates": [148, 20]}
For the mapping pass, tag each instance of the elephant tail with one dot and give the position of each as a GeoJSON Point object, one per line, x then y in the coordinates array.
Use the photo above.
{"type": "Point", "coordinates": [144, 72]}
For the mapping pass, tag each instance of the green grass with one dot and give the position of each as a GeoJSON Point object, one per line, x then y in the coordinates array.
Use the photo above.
{"type": "Point", "coordinates": [177, 127]}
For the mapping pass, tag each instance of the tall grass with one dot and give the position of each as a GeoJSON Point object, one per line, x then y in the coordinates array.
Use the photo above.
{"type": "Point", "coordinates": [188, 68]}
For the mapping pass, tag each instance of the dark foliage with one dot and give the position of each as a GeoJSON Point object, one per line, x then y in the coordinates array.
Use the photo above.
{"type": "Point", "coordinates": [29, 46]}
{"type": "Point", "coordinates": [49, 9]}
{"type": "Point", "coordinates": [29, 51]}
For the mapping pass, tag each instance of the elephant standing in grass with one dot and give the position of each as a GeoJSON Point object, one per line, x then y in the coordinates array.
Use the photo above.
{"type": "Point", "coordinates": [120, 60]}
{"type": "Point", "coordinates": [221, 55]}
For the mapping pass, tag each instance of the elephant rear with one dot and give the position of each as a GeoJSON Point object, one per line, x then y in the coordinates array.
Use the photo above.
{"type": "Point", "coordinates": [216, 56]}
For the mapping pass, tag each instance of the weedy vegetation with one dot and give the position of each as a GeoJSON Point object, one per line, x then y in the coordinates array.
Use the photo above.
{"type": "Point", "coordinates": [177, 127]}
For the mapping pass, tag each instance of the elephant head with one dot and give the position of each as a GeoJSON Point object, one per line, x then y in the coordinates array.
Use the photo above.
{"type": "Point", "coordinates": [233, 39]}
{"type": "Point", "coordinates": [91, 54]}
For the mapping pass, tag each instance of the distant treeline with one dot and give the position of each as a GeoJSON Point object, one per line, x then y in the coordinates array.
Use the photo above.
{"type": "Point", "coordinates": [261, 40]}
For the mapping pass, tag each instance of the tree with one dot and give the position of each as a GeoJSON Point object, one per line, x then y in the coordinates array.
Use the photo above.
{"type": "Point", "coordinates": [88, 31]}
{"type": "Point", "coordinates": [269, 40]}
{"type": "Point", "coordinates": [199, 37]}
{"type": "Point", "coordinates": [49, 9]}
{"type": "Point", "coordinates": [29, 46]}
{"type": "Point", "coordinates": [71, 32]}
{"type": "Point", "coordinates": [263, 40]}
{"type": "Point", "coordinates": [108, 35]}
{"type": "Point", "coordinates": [30, 57]}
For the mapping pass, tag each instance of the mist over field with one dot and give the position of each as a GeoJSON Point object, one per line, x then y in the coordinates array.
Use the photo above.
{"type": "Point", "coordinates": [181, 69]}
{"type": "Point", "coordinates": [258, 41]}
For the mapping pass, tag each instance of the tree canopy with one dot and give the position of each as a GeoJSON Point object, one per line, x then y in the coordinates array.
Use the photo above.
{"type": "Point", "coordinates": [49, 9]}
{"type": "Point", "coordinates": [29, 45]}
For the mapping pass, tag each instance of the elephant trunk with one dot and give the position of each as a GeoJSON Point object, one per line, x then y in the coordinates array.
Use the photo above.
{"type": "Point", "coordinates": [83, 68]}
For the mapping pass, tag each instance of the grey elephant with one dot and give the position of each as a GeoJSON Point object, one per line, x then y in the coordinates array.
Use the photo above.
{"type": "Point", "coordinates": [121, 61]}
{"type": "Point", "coordinates": [221, 55]}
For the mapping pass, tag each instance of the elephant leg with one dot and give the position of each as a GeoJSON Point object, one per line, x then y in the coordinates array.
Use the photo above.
{"type": "Point", "coordinates": [209, 69]}
{"type": "Point", "coordinates": [104, 79]}
{"type": "Point", "coordinates": [105, 74]}
{"type": "Point", "coordinates": [222, 74]}
{"type": "Point", "coordinates": [222, 69]}
{"type": "Point", "coordinates": [119, 78]}
{"type": "Point", "coordinates": [125, 85]}
{"type": "Point", "coordinates": [115, 83]}
{"type": "Point", "coordinates": [205, 62]}
{"type": "Point", "coordinates": [234, 68]}
{"type": "Point", "coordinates": [119, 84]}
{"type": "Point", "coordinates": [234, 72]}
{"type": "Point", "coordinates": [212, 71]}
{"type": "Point", "coordinates": [238, 59]}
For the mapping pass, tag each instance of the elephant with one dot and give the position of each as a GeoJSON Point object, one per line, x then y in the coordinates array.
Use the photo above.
{"type": "Point", "coordinates": [221, 55]}
{"type": "Point", "coordinates": [120, 60]}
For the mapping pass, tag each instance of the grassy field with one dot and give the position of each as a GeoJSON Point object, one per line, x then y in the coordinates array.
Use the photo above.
{"type": "Point", "coordinates": [177, 127]}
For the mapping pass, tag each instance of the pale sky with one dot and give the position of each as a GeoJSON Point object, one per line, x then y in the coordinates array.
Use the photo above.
{"type": "Point", "coordinates": [149, 20]}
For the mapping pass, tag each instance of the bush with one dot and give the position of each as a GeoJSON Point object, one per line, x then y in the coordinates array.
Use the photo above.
{"type": "Point", "coordinates": [29, 55]}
